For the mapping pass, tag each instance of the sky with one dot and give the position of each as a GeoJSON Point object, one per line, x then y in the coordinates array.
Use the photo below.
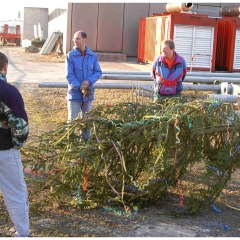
{"type": "Point", "coordinates": [10, 9]}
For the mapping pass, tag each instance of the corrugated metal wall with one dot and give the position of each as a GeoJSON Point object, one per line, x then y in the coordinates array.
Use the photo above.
{"type": "Point", "coordinates": [31, 17]}
{"type": "Point", "coordinates": [132, 13]}
{"type": "Point", "coordinates": [156, 8]}
{"type": "Point", "coordinates": [84, 16]}
{"type": "Point", "coordinates": [210, 9]}
{"type": "Point", "coordinates": [112, 27]}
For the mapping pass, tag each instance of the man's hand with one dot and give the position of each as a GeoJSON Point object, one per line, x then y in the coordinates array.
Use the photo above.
{"type": "Point", "coordinates": [86, 90]}
{"type": "Point", "coordinates": [85, 83]}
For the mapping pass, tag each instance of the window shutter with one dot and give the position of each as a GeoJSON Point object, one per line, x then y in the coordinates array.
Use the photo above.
{"type": "Point", "coordinates": [194, 44]}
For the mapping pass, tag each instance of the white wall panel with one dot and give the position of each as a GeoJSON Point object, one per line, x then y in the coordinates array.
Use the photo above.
{"type": "Point", "coordinates": [84, 17]}
{"type": "Point", "coordinates": [110, 27]}
{"type": "Point", "coordinates": [59, 24]}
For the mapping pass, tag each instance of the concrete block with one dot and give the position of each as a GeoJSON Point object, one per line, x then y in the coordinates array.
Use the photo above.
{"type": "Point", "coordinates": [32, 49]}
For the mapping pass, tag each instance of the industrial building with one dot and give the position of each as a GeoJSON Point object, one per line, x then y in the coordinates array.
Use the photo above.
{"type": "Point", "coordinates": [113, 29]}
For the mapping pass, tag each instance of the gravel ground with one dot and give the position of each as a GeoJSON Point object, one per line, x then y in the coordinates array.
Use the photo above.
{"type": "Point", "coordinates": [152, 221]}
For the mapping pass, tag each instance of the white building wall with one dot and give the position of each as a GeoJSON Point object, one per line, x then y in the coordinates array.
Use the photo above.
{"type": "Point", "coordinates": [59, 24]}
{"type": "Point", "coordinates": [33, 16]}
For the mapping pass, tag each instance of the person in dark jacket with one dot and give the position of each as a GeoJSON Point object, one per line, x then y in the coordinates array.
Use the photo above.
{"type": "Point", "coordinates": [82, 71]}
{"type": "Point", "coordinates": [14, 131]}
{"type": "Point", "coordinates": [168, 72]}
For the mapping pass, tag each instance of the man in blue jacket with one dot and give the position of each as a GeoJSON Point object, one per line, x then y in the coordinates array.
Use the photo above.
{"type": "Point", "coordinates": [82, 71]}
{"type": "Point", "coordinates": [168, 72]}
{"type": "Point", "coordinates": [14, 131]}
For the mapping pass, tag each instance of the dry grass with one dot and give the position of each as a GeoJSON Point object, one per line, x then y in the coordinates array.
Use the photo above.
{"type": "Point", "coordinates": [36, 57]}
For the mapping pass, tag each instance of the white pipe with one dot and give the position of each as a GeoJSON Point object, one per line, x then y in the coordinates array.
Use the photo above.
{"type": "Point", "coordinates": [39, 31]}
{"type": "Point", "coordinates": [126, 77]}
{"type": "Point", "coordinates": [146, 87]}
{"type": "Point", "coordinates": [35, 31]}
{"type": "Point", "coordinates": [224, 97]}
{"type": "Point", "coordinates": [195, 79]}
{"type": "Point", "coordinates": [96, 85]}
{"type": "Point", "coordinates": [213, 74]}
{"type": "Point", "coordinates": [126, 73]}
{"type": "Point", "coordinates": [201, 74]}
{"type": "Point", "coordinates": [179, 7]}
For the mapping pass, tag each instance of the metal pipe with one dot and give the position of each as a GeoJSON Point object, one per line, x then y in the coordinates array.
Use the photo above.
{"type": "Point", "coordinates": [126, 73]}
{"type": "Point", "coordinates": [229, 11]}
{"type": "Point", "coordinates": [212, 80]}
{"type": "Point", "coordinates": [202, 87]}
{"type": "Point", "coordinates": [224, 97]}
{"type": "Point", "coordinates": [96, 85]}
{"type": "Point", "coordinates": [126, 77]}
{"type": "Point", "coordinates": [194, 79]}
{"type": "Point", "coordinates": [146, 87]}
{"type": "Point", "coordinates": [202, 74]}
{"type": "Point", "coordinates": [211, 74]}
{"type": "Point", "coordinates": [179, 7]}
{"type": "Point", "coordinates": [192, 87]}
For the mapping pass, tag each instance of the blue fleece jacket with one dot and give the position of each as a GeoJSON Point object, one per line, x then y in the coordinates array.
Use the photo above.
{"type": "Point", "coordinates": [160, 69]}
{"type": "Point", "coordinates": [81, 68]}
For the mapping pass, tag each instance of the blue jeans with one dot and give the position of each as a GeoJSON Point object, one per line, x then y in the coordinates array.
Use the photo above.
{"type": "Point", "coordinates": [14, 190]}
{"type": "Point", "coordinates": [75, 108]}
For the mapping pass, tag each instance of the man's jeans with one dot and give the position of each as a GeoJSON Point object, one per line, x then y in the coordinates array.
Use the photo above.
{"type": "Point", "coordinates": [14, 190]}
{"type": "Point", "coordinates": [79, 107]}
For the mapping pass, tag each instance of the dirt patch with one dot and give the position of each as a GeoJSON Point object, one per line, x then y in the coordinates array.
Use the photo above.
{"type": "Point", "coordinates": [47, 107]}
{"type": "Point", "coordinates": [19, 54]}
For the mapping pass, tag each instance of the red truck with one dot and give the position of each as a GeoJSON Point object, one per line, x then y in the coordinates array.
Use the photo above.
{"type": "Point", "coordinates": [10, 38]}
